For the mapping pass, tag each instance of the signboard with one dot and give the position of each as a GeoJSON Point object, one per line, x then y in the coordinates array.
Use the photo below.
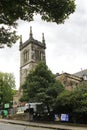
{"type": "Point", "coordinates": [56, 117]}
{"type": "Point", "coordinates": [6, 105]}
{"type": "Point", "coordinates": [64, 117]}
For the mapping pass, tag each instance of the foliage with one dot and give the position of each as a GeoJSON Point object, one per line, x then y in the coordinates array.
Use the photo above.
{"type": "Point", "coordinates": [13, 10]}
{"type": "Point", "coordinates": [63, 102]}
{"type": "Point", "coordinates": [81, 98]}
{"type": "Point", "coordinates": [73, 101]}
{"type": "Point", "coordinates": [41, 86]}
{"type": "Point", "coordinates": [7, 36]}
{"type": "Point", "coordinates": [7, 86]}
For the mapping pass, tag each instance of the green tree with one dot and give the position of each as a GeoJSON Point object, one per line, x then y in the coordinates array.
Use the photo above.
{"type": "Point", "coordinates": [74, 102]}
{"type": "Point", "coordinates": [7, 86]}
{"type": "Point", "coordinates": [13, 10]}
{"type": "Point", "coordinates": [64, 102]}
{"type": "Point", "coordinates": [41, 86]}
{"type": "Point", "coordinates": [80, 96]}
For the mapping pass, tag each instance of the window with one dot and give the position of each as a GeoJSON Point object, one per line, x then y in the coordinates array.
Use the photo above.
{"type": "Point", "coordinates": [37, 55]}
{"type": "Point", "coordinates": [26, 56]}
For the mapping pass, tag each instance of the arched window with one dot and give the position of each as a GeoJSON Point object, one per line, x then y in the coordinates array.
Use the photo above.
{"type": "Point", "coordinates": [26, 56]}
{"type": "Point", "coordinates": [37, 55]}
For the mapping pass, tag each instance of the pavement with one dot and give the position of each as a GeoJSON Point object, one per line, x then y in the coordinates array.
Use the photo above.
{"type": "Point", "coordinates": [45, 125]}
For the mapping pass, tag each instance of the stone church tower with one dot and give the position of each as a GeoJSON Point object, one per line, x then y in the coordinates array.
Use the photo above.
{"type": "Point", "coordinates": [31, 53]}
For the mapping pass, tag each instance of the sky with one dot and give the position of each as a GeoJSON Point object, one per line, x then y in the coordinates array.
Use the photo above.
{"type": "Point", "coordinates": [66, 43]}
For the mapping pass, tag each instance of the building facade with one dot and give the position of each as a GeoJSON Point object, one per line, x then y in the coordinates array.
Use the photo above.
{"type": "Point", "coordinates": [69, 81]}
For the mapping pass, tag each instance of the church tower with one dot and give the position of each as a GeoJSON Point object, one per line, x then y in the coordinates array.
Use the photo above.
{"type": "Point", "coordinates": [31, 53]}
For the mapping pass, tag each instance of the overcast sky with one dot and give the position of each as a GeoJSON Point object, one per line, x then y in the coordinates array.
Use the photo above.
{"type": "Point", "coordinates": [66, 43]}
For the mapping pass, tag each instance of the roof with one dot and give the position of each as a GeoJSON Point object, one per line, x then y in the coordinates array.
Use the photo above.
{"type": "Point", "coordinates": [32, 40]}
{"type": "Point", "coordinates": [81, 73]}
{"type": "Point", "coordinates": [72, 76]}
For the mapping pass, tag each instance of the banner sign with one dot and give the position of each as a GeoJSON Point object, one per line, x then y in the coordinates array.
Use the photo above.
{"type": "Point", "coordinates": [6, 105]}
{"type": "Point", "coordinates": [64, 117]}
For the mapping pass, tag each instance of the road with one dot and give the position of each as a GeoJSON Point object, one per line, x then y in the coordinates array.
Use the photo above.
{"type": "Point", "coordinates": [8, 126]}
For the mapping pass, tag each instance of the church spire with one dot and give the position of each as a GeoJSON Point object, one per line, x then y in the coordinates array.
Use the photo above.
{"type": "Point", "coordinates": [31, 35]}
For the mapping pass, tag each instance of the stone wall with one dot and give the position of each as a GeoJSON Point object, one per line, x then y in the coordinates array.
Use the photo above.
{"type": "Point", "coordinates": [21, 116]}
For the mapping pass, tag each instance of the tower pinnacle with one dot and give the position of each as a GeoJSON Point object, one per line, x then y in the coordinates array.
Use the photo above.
{"type": "Point", "coordinates": [20, 39]}
{"type": "Point", "coordinates": [31, 35]}
{"type": "Point", "coordinates": [43, 39]}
